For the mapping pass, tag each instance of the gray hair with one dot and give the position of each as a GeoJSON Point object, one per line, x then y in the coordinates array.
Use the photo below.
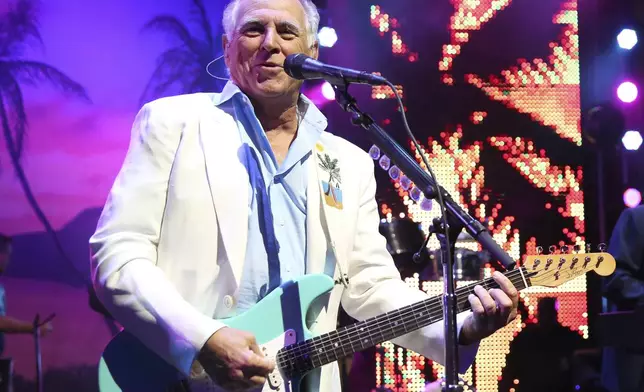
{"type": "Point", "coordinates": [310, 11]}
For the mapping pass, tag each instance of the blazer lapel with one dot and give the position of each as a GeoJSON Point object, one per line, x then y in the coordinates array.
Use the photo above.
{"type": "Point", "coordinates": [316, 241]}
{"type": "Point", "coordinates": [228, 180]}
{"type": "Point", "coordinates": [328, 209]}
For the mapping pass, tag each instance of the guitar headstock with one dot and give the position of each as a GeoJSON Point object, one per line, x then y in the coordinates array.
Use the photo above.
{"type": "Point", "coordinates": [557, 268]}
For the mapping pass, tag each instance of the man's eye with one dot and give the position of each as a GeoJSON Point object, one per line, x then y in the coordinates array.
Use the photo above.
{"type": "Point", "coordinates": [253, 31]}
{"type": "Point", "coordinates": [288, 34]}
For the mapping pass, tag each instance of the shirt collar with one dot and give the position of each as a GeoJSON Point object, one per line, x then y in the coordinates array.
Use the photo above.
{"type": "Point", "coordinates": [312, 115]}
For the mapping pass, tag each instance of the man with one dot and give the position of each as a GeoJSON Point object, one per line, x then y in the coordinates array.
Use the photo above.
{"type": "Point", "coordinates": [623, 368]}
{"type": "Point", "coordinates": [223, 196]}
{"type": "Point", "coordinates": [10, 324]}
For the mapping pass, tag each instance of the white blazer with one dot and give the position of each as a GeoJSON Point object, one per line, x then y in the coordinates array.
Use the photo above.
{"type": "Point", "coordinates": [168, 252]}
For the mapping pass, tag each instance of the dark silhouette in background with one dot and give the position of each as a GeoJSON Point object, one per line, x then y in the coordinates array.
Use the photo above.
{"type": "Point", "coordinates": [623, 368]}
{"type": "Point", "coordinates": [541, 355]}
{"type": "Point", "coordinates": [35, 256]}
{"type": "Point", "coordinates": [19, 28]}
{"type": "Point", "coordinates": [9, 325]}
{"type": "Point", "coordinates": [182, 68]}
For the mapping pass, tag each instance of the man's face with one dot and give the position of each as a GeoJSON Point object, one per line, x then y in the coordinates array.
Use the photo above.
{"type": "Point", "coordinates": [266, 31]}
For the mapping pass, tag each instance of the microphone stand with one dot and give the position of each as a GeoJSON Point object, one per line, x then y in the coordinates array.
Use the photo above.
{"type": "Point", "coordinates": [457, 220]}
{"type": "Point", "coordinates": [37, 323]}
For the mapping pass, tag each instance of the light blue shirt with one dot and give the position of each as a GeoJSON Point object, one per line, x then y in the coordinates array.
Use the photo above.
{"type": "Point", "coordinates": [285, 186]}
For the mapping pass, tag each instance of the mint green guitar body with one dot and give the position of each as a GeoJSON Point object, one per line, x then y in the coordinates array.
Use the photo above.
{"type": "Point", "coordinates": [278, 320]}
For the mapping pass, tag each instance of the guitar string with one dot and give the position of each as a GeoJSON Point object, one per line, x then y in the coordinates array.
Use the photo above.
{"type": "Point", "coordinates": [303, 350]}
{"type": "Point", "coordinates": [514, 279]}
{"type": "Point", "coordinates": [351, 332]}
{"type": "Point", "coordinates": [310, 348]}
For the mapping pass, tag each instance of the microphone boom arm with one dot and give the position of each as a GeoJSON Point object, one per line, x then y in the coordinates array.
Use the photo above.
{"type": "Point", "coordinates": [421, 179]}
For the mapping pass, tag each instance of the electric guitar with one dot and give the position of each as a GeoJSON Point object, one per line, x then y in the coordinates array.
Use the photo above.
{"type": "Point", "coordinates": [278, 323]}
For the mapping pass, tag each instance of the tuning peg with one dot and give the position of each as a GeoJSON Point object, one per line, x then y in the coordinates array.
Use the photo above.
{"type": "Point", "coordinates": [539, 250]}
{"type": "Point", "coordinates": [564, 249]}
{"type": "Point", "coordinates": [576, 248]}
{"type": "Point", "coordinates": [601, 247]}
{"type": "Point", "coordinates": [589, 248]}
{"type": "Point", "coordinates": [552, 249]}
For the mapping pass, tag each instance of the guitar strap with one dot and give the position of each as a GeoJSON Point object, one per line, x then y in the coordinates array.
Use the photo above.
{"type": "Point", "coordinates": [329, 186]}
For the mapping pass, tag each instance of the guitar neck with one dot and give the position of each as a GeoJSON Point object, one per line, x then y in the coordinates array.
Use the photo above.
{"type": "Point", "coordinates": [302, 357]}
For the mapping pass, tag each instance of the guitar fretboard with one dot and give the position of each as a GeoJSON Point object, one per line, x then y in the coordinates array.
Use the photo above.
{"type": "Point", "coordinates": [300, 358]}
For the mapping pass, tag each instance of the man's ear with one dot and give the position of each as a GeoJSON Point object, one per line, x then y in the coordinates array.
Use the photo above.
{"type": "Point", "coordinates": [225, 43]}
{"type": "Point", "coordinates": [315, 50]}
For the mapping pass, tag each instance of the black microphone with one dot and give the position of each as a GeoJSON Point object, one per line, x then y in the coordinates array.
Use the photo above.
{"type": "Point", "coordinates": [302, 67]}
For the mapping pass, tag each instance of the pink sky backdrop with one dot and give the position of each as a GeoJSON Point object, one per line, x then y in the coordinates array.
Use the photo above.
{"type": "Point", "coordinates": [74, 149]}
{"type": "Point", "coordinates": [71, 161]}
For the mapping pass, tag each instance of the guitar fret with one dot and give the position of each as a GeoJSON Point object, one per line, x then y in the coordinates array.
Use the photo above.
{"type": "Point", "coordinates": [350, 340]}
{"type": "Point", "coordinates": [326, 354]}
{"type": "Point", "coordinates": [338, 345]}
{"type": "Point", "coordinates": [416, 315]}
{"type": "Point", "coordinates": [364, 342]}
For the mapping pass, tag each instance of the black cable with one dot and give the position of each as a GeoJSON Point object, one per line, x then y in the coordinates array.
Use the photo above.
{"type": "Point", "coordinates": [431, 173]}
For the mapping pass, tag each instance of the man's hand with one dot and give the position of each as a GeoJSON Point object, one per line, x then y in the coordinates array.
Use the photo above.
{"type": "Point", "coordinates": [491, 310]}
{"type": "Point", "coordinates": [45, 329]}
{"type": "Point", "coordinates": [234, 361]}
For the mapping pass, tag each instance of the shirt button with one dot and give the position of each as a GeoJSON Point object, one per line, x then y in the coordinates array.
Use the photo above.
{"type": "Point", "coordinates": [228, 301]}
{"type": "Point", "coordinates": [282, 223]}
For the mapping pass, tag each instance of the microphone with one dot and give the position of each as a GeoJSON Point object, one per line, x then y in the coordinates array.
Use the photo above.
{"type": "Point", "coordinates": [302, 67]}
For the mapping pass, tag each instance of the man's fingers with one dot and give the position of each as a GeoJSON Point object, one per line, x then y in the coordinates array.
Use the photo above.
{"type": "Point", "coordinates": [252, 344]}
{"type": "Point", "coordinates": [258, 380]}
{"type": "Point", "coordinates": [505, 303]}
{"type": "Point", "coordinates": [475, 303]}
{"type": "Point", "coordinates": [259, 364]}
{"type": "Point", "coordinates": [486, 300]}
{"type": "Point", "coordinates": [507, 287]}
{"type": "Point", "coordinates": [236, 374]}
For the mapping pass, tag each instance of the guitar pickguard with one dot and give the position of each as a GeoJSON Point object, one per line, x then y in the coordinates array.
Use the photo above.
{"type": "Point", "coordinates": [275, 381]}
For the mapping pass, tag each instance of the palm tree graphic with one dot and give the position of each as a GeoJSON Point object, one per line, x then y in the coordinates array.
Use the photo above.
{"type": "Point", "coordinates": [182, 68]}
{"type": "Point", "coordinates": [331, 167]}
{"type": "Point", "coordinates": [19, 27]}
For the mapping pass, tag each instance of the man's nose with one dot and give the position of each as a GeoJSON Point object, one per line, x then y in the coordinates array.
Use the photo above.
{"type": "Point", "coordinates": [270, 41]}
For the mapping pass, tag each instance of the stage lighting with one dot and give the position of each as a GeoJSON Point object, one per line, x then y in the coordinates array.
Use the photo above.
{"type": "Point", "coordinates": [627, 92]}
{"type": "Point", "coordinates": [632, 140]}
{"type": "Point", "coordinates": [627, 39]}
{"type": "Point", "coordinates": [327, 37]}
{"type": "Point", "coordinates": [632, 197]}
{"type": "Point", "coordinates": [327, 91]}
